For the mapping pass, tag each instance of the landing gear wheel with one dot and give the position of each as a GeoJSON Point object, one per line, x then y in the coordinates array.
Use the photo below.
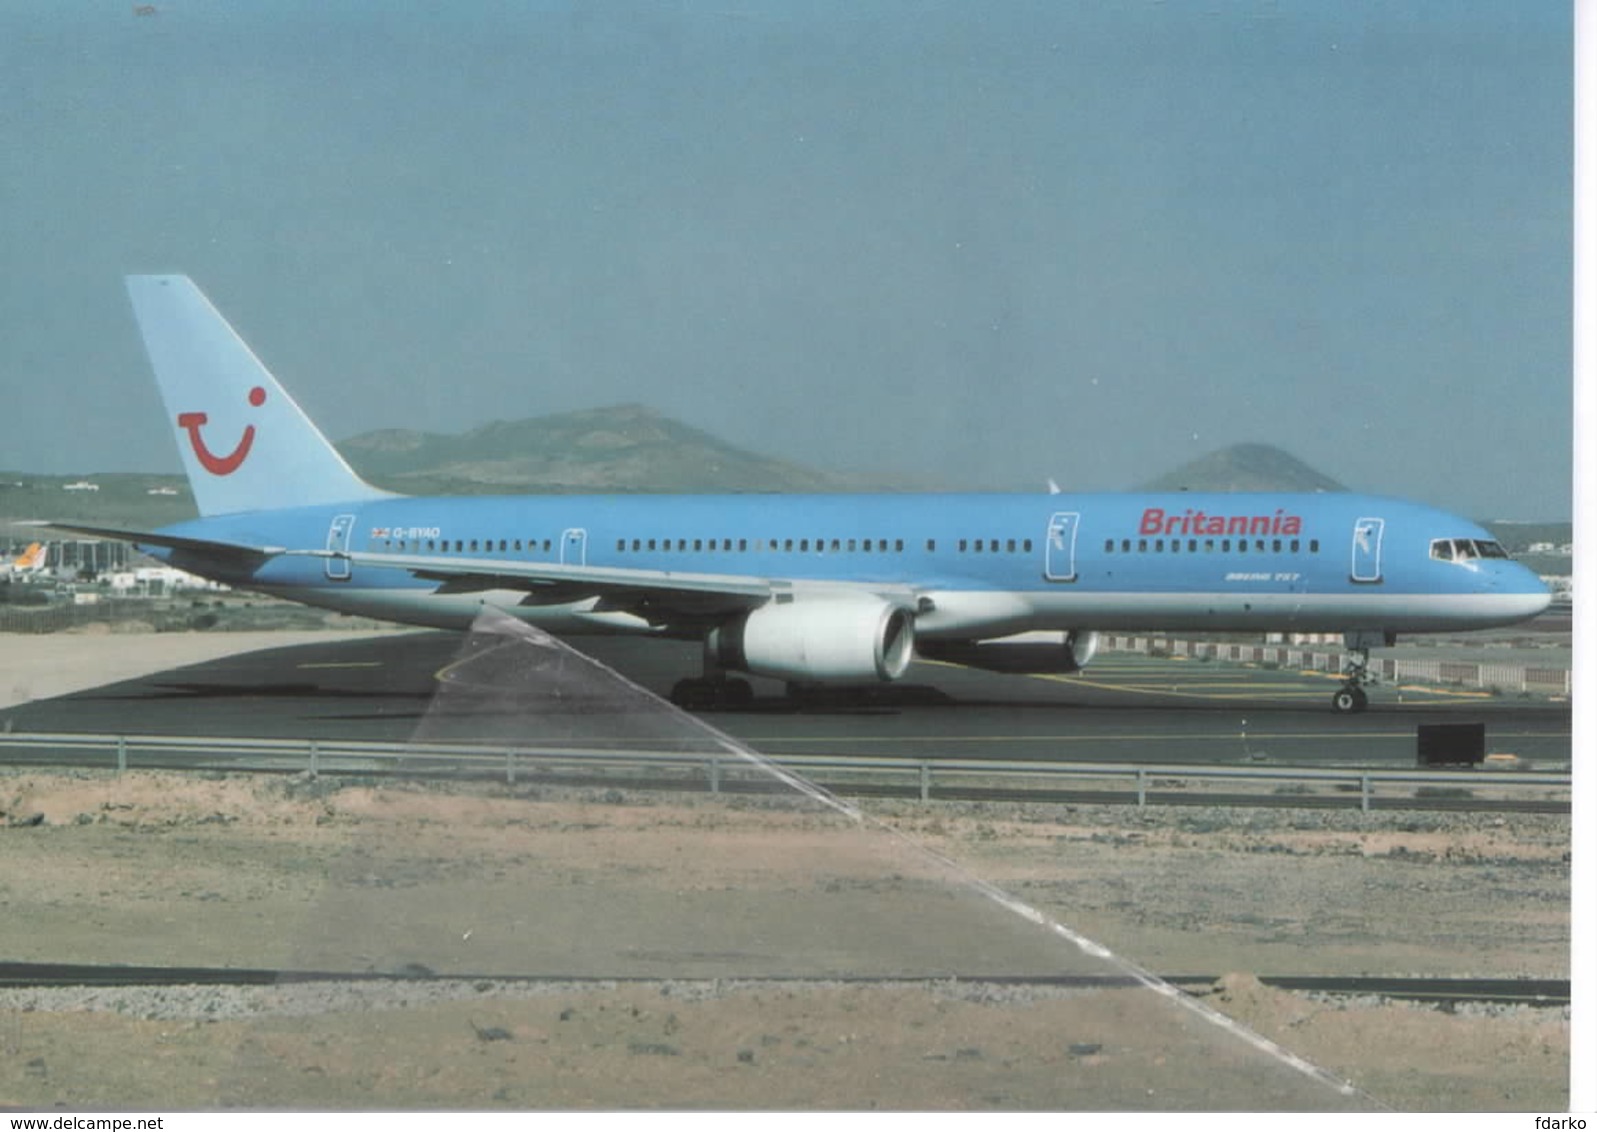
{"type": "Point", "coordinates": [693, 693]}
{"type": "Point", "coordinates": [805, 695]}
{"type": "Point", "coordinates": [1349, 701]}
{"type": "Point", "coordinates": [699, 693]}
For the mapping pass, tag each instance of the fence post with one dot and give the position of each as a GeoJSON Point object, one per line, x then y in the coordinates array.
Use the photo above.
{"type": "Point", "coordinates": [715, 774]}
{"type": "Point", "coordinates": [1364, 793]}
{"type": "Point", "coordinates": [1142, 787]}
{"type": "Point", "coordinates": [925, 781]}
{"type": "Point", "coordinates": [510, 767]}
{"type": "Point", "coordinates": [315, 760]}
{"type": "Point", "coordinates": [121, 753]}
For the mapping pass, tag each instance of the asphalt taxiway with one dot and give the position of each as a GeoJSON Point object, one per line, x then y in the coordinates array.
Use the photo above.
{"type": "Point", "coordinates": [1122, 708]}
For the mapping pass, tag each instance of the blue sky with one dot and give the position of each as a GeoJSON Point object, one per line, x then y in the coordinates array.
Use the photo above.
{"type": "Point", "coordinates": [974, 244]}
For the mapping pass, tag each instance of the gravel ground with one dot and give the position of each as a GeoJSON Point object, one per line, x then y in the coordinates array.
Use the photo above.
{"type": "Point", "coordinates": [697, 901]}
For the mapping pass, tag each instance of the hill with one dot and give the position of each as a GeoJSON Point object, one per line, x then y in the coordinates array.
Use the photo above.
{"type": "Point", "coordinates": [622, 448]}
{"type": "Point", "coordinates": [1244, 467]}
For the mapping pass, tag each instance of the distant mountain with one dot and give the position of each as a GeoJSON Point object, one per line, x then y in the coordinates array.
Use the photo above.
{"type": "Point", "coordinates": [622, 448]}
{"type": "Point", "coordinates": [1245, 467]}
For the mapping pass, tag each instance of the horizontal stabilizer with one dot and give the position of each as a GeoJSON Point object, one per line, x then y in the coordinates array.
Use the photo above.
{"type": "Point", "coordinates": [237, 554]}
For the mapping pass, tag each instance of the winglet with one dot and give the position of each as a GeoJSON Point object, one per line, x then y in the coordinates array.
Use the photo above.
{"type": "Point", "coordinates": [246, 445]}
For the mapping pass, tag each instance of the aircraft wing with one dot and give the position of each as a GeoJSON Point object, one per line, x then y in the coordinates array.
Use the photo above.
{"type": "Point", "coordinates": [569, 582]}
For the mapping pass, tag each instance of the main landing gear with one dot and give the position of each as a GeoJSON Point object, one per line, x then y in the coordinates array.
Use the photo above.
{"type": "Point", "coordinates": [712, 693]}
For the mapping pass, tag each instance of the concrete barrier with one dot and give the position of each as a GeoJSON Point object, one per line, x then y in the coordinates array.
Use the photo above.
{"type": "Point", "coordinates": [1508, 678]}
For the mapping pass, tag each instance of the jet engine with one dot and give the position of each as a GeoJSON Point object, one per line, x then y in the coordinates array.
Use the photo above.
{"type": "Point", "coordinates": [1026, 652]}
{"type": "Point", "coordinates": [838, 640]}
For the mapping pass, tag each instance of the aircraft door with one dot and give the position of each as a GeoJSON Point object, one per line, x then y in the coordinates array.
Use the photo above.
{"type": "Point", "coordinates": [574, 547]}
{"type": "Point", "coordinates": [338, 543]}
{"type": "Point", "coordinates": [1059, 548]}
{"type": "Point", "coordinates": [1367, 535]}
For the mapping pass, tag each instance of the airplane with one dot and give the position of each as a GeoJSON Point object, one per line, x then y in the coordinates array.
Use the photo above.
{"type": "Point", "coordinates": [814, 590]}
{"type": "Point", "coordinates": [30, 561]}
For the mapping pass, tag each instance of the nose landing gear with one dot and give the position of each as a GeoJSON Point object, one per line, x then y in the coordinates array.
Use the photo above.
{"type": "Point", "coordinates": [1350, 698]}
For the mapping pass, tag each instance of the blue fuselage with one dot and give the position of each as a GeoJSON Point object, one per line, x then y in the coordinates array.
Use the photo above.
{"type": "Point", "coordinates": [985, 565]}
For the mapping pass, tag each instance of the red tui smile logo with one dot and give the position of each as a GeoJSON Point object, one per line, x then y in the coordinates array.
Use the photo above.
{"type": "Point", "coordinates": [220, 465]}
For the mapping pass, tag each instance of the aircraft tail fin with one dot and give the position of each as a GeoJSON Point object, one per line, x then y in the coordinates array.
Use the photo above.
{"type": "Point", "coordinates": [246, 445]}
{"type": "Point", "coordinates": [30, 559]}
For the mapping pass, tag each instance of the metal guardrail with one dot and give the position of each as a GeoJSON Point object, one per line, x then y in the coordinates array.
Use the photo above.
{"type": "Point", "coordinates": [728, 771]}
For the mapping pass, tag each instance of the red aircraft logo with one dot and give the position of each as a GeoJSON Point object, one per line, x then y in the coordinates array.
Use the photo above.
{"type": "Point", "coordinates": [220, 465]}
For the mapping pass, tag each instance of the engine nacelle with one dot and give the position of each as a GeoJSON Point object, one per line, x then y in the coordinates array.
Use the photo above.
{"type": "Point", "coordinates": [1026, 652]}
{"type": "Point", "coordinates": [839, 640]}
{"type": "Point", "coordinates": [1081, 645]}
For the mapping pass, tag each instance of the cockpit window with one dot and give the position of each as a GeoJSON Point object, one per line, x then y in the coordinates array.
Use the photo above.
{"type": "Point", "coordinates": [1466, 549]}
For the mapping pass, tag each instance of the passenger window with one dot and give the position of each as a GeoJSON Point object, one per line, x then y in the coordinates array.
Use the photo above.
{"type": "Point", "coordinates": [1276, 546]}
{"type": "Point", "coordinates": [1142, 546]}
{"type": "Point", "coordinates": [1010, 546]}
{"type": "Point", "coordinates": [1108, 546]}
{"type": "Point", "coordinates": [743, 544]}
{"type": "Point", "coordinates": [1158, 545]}
{"type": "Point", "coordinates": [1192, 546]}
{"type": "Point", "coordinates": [1125, 546]}
{"type": "Point", "coordinates": [1026, 546]}
{"type": "Point", "coordinates": [961, 546]}
{"type": "Point", "coordinates": [1314, 546]}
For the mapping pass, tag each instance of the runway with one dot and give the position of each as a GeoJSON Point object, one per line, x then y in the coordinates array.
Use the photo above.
{"type": "Point", "coordinates": [1122, 708]}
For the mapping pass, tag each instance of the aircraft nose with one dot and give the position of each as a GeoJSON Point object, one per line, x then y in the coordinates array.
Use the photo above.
{"type": "Point", "coordinates": [1522, 593]}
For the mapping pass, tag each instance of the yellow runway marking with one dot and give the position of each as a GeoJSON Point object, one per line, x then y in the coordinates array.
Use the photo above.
{"type": "Point", "coordinates": [1257, 693]}
{"type": "Point", "coordinates": [1148, 685]}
